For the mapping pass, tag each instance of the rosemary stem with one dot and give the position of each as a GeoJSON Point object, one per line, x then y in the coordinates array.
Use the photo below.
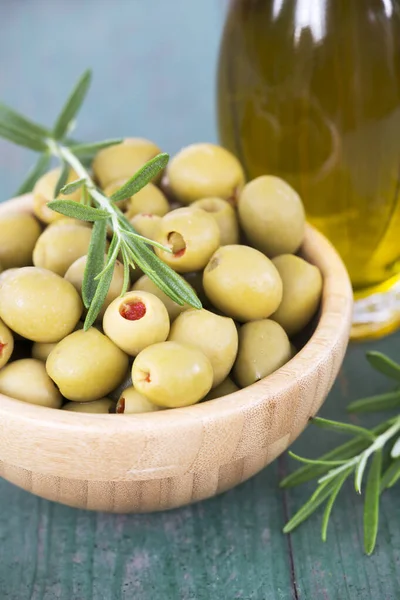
{"type": "Point", "coordinates": [378, 444]}
{"type": "Point", "coordinates": [94, 206]}
{"type": "Point", "coordinates": [74, 162]}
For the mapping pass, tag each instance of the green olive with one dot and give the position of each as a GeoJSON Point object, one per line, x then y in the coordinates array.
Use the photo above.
{"type": "Point", "coordinates": [81, 325]}
{"type": "Point", "coordinates": [242, 283]}
{"type": "Point", "coordinates": [203, 171]}
{"type": "Point", "coordinates": [59, 247]}
{"type": "Point", "coordinates": [302, 289]}
{"type": "Point", "coordinates": [149, 200]}
{"type": "Point", "coordinates": [132, 402]}
{"type": "Point", "coordinates": [264, 347]}
{"type": "Point", "coordinates": [39, 305]}
{"type": "Point", "coordinates": [69, 221]}
{"type": "Point", "coordinates": [223, 389]}
{"type": "Point", "coordinates": [41, 350]}
{"type": "Point", "coordinates": [172, 375]}
{"type": "Point", "coordinates": [6, 344]}
{"type": "Point", "coordinates": [135, 321]}
{"type": "Point", "coordinates": [19, 234]}
{"type": "Point", "coordinates": [86, 365]}
{"type": "Point", "coordinates": [104, 405]}
{"type": "Point", "coordinates": [215, 336]}
{"type": "Point", "coordinates": [272, 215]}
{"type": "Point", "coordinates": [28, 381]}
{"type": "Point", "coordinates": [145, 284]}
{"type": "Point", "coordinates": [192, 235]}
{"type": "Point", "coordinates": [44, 191]}
{"type": "Point", "coordinates": [225, 216]}
{"type": "Point", "coordinates": [75, 275]}
{"type": "Point", "coordinates": [146, 225]}
{"type": "Point", "coordinates": [5, 274]}
{"type": "Point", "coordinates": [121, 161]}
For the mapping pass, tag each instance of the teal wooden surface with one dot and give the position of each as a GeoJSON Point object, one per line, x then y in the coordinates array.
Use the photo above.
{"type": "Point", "coordinates": [154, 64]}
{"type": "Point", "coordinates": [227, 547]}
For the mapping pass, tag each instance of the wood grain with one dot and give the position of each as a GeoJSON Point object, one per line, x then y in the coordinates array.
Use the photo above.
{"type": "Point", "coordinates": [162, 460]}
{"type": "Point", "coordinates": [158, 461]}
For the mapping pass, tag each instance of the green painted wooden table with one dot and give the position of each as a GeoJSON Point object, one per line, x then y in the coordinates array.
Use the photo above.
{"type": "Point", "coordinates": [154, 65]}
{"type": "Point", "coordinates": [225, 548]}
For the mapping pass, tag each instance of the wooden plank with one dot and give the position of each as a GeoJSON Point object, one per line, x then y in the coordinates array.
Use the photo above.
{"type": "Point", "coordinates": [225, 548]}
{"type": "Point", "coordinates": [339, 569]}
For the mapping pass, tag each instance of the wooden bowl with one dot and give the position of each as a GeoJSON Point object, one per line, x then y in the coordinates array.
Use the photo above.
{"type": "Point", "coordinates": [162, 460]}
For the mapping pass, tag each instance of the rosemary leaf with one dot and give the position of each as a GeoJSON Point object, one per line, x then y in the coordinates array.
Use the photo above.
{"type": "Point", "coordinates": [318, 491]}
{"type": "Point", "coordinates": [86, 161]}
{"type": "Point", "coordinates": [103, 286]}
{"type": "Point", "coordinates": [333, 473]}
{"type": "Point", "coordinates": [395, 453]}
{"type": "Point", "coordinates": [154, 276]}
{"type": "Point", "coordinates": [13, 118]}
{"type": "Point", "coordinates": [343, 427]}
{"type": "Point", "coordinates": [148, 241]}
{"type": "Point", "coordinates": [85, 197]}
{"type": "Point", "coordinates": [384, 364]}
{"type": "Point", "coordinates": [72, 106]}
{"type": "Point", "coordinates": [91, 149]}
{"type": "Point", "coordinates": [391, 475]}
{"type": "Point", "coordinates": [359, 473]}
{"type": "Point", "coordinates": [111, 258]}
{"type": "Point", "coordinates": [177, 286]}
{"type": "Point", "coordinates": [62, 180]}
{"type": "Point", "coordinates": [345, 451]}
{"type": "Point", "coordinates": [95, 261]}
{"type": "Point", "coordinates": [329, 505]}
{"type": "Point", "coordinates": [70, 188]}
{"type": "Point", "coordinates": [310, 506]}
{"type": "Point", "coordinates": [126, 264]}
{"type": "Point", "coordinates": [381, 402]}
{"type": "Point", "coordinates": [141, 178]}
{"type": "Point", "coordinates": [304, 474]}
{"type": "Point", "coordinates": [98, 299]}
{"type": "Point", "coordinates": [21, 138]}
{"type": "Point", "coordinates": [34, 174]}
{"type": "Point", "coordinates": [310, 461]}
{"type": "Point", "coordinates": [371, 506]}
{"type": "Point", "coordinates": [75, 210]}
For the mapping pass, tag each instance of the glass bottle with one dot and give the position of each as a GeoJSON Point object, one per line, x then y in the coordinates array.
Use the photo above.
{"type": "Point", "coordinates": [309, 90]}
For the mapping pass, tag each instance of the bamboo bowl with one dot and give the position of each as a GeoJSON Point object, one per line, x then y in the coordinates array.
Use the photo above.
{"type": "Point", "coordinates": [162, 460]}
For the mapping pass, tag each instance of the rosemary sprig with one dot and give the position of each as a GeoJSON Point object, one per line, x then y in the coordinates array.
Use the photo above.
{"type": "Point", "coordinates": [352, 458]}
{"type": "Point", "coordinates": [94, 206]}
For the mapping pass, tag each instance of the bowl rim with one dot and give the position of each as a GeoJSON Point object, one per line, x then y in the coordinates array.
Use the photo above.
{"type": "Point", "coordinates": [333, 327]}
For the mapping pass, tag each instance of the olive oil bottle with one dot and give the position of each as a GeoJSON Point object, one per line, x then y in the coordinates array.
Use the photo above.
{"type": "Point", "coordinates": [309, 90]}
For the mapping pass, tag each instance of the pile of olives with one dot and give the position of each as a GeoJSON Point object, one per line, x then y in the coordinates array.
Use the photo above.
{"type": "Point", "coordinates": [234, 242]}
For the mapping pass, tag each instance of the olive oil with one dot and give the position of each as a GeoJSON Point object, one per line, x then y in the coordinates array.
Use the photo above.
{"type": "Point", "coordinates": [309, 90]}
